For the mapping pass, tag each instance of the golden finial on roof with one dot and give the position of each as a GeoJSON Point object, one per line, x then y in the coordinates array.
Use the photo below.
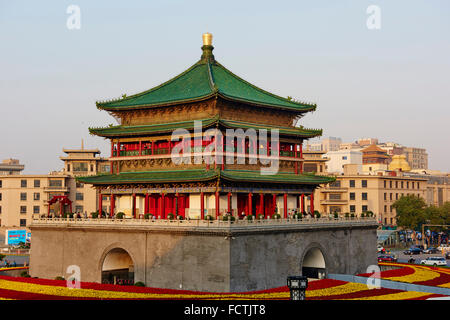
{"type": "Point", "coordinates": [207, 39]}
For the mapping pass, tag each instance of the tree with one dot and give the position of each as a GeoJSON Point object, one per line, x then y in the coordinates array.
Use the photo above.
{"type": "Point", "coordinates": [411, 212]}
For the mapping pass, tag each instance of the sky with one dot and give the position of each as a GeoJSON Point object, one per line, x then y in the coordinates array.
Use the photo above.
{"type": "Point", "coordinates": [390, 83]}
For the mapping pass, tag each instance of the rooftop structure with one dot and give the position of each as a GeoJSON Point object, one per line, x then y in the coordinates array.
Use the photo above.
{"type": "Point", "coordinates": [11, 166]}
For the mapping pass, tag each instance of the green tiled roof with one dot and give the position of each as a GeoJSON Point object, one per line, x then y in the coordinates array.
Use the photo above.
{"type": "Point", "coordinates": [290, 178]}
{"type": "Point", "coordinates": [203, 175]}
{"type": "Point", "coordinates": [151, 177]}
{"type": "Point", "coordinates": [207, 78]}
{"type": "Point", "coordinates": [117, 131]}
{"type": "Point", "coordinates": [121, 131]}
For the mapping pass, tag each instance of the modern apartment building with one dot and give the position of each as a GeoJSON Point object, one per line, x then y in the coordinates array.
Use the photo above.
{"type": "Point", "coordinates": [22, 196]}
{"type": "Point", "coordinates": [356, 193]}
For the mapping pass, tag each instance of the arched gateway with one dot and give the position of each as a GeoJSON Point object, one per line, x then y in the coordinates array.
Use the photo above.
{"type": "Point", "coordinates": [313, 264]}
{"type": "Point", "coordinates": [117, 267]}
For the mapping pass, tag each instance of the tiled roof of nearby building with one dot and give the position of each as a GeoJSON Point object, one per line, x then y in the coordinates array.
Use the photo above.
{"type": "Point", "coordinates": [205, 79]}
{"type": "Point", "coordinates": [280, 177]}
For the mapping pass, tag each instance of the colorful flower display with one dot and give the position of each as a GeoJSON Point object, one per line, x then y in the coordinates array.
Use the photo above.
{"type": "Point", "coordinates": [325, 289]}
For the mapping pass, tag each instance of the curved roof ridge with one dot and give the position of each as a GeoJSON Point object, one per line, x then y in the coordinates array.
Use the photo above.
{"type": "Point", "coordinates": [197, 64]}
{"type": "Point", "coordinates": [262, 90]}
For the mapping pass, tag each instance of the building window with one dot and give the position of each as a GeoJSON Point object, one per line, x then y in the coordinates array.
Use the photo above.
{"type": "Point", "coordinates": [364, 195]}
{"type": "Point", "coordinates": [0, 183]}
{"type": "Point", "coordinates": [36, 209]}
{"type": "Point", "coordinates": [385, 196]}
{"type": "Point", "coordinates": [417, 185]}
{"type": "Point", "coordinates": [364, 183]}
{"type": "Point", "coordinates": [23, 183]}
{"type": "Point", "coordinates": [402, 184]}
{"type": "Point", "coordinates": [78, 209]}
{"type": "Point", "coordinates": [79, 196]}
{"type": "Point", "coordinates": [390, 208]}
{"type": "Point", "coordinates": [23, 196]}
{"type": "Point", "coordinates": [23, 222]}
{"type": "Point", "coordinates": [333, 196]}
{"type": "Point", "coordinates": [0, 209]}
{"type": "Point", "coordinates": [107, 168]}
{"type": "Point", "coordinates": [36, 196]}
{"type": "Point", "coordinates": [396, 184]}
{"type": "Point", "coordinates": [80, 167]}
{"type": "Point", "coordinates": [364, 208]}
{"type": "Point", "coordinates": [0, 197]}
{"type": "Point", "coordinates": [385, 208]}
{"type": "Point", "coordinates": [336, 184]}
{"type": "Point", "coordinates": [79, 184]}
{"type": "Point", "coordinates": [37, 183]}
{"type": "Point", "coordinates": [106, 198]}
{"type": "Point", "coordinates": [23, 209]}
{"type": "Point", "coordinates": [390, 184]}
{"type": "Point", "coordinates": [55, 183]}
{"type": "Point", "coordinates": [352, 196]}
{"type": "Point", "coordinates": [412, 185]}
{"type": "Point", "coordinates": [352, 209]}
{"type": "Point", "coordinates": [352, 183]}
{"type": "Point", "coordinates": [390, 196]}
{"type": "Point", "coordinates": [68, 167]}
{"type": "Point", "coordinates": [92, 167]}
{"type": "Point", "coordinates": [344, 157]}
{"type": "Point", "coordinates": [384, 183]}
{"type": "Point", "coordinates": [391, 221]}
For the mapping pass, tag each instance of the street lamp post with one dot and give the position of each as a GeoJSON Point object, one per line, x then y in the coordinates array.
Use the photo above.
{"type": "Point", "coordinates": [297, 286]}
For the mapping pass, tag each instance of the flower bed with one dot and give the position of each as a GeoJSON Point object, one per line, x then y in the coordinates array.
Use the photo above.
{"type": "Point", "coordinates": [325, 289]}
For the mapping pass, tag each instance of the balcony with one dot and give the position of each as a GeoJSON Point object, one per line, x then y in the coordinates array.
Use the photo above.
{"type": "Point", "coordinates": [334, 201]}
{"type": "Point", "coordinates": [56, 189]}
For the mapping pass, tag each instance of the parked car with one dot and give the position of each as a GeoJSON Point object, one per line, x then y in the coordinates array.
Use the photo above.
{"type": "Point", "coordinates": [413, 250]}
{"type": "Point", "coordinates": [434, 261]}
{"type": "Point", "coordinates": [431, 250]}
{"type": "Point", "coordinates": [387, 258]}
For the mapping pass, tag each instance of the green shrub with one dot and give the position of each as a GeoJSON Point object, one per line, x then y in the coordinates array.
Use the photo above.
{"type": "Point", "coordinates": [316, 214]}
{"type": "Point", "coordinates": [170, 216]}
{"type": "Point", "coordinates": [347, 214]}
{"type": "Point", "coordinates": [148, 216]}
{"type": "Point", "coordinates": [139, 284]}
{"type": "Point", "coordinates": [260, 216]}
{"type": "Point", "coordinates": [120, 215]}
{"type": "Point", "coordinates": [363, 215]}
{"type": "Point", "coordinates": [336, 215]}
{"type": "Point", "coordinates": [59, 278]}
{"type": "Point", "coordinates": [94, 215]}
{"type": "Point", "coordinates": [250, 217]}
{"type": "Point", "coordinates": [276, 216]}
{"type": "Point", "coordinates": [352, 215]}
{"type": "Point", "coordinates": [228, 218]}
{"type": "Point", "coordinates": [24, 274]}
{"type": "Point", "coordinates": [209, 217]}
{"type": "Point", "coordinates": [180, 217]}
{"type": "Point", "coordinates": [297, 216]}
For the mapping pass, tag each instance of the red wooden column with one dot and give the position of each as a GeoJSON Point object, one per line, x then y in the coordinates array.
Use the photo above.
{"type": "Point", "coordinates": [202, 205]}
{"type": "Point", "coordinates": [250, 206]}
{"type": "Point", "coordinates": [285, 205]}
{"type": "Point", "coordinates": [303, 203]}
{"type": "Point", "coordinates": [134, 205]}
{"type": "Point", "coordinates": [229, 202]}
{"type": "Point", "coordinates": [217, 204]}
{"type": "Point", "coordinates": [146, 207]}
{"type": "Point", "coordinates": [222, 157]}
{"type": "Point", "coordinates": [274, 200]}
{"type": "Point", "coordinates": [312, 203]}
{"type": "Point", "coordinates": [140, 147]}
{"type": "Point", "coordinates": [100, 204]}
{"type": "Point", "coordinates": [161, 207]}
{"type": "Point", "coordinates": [113, 204]}
{"type": "Point", "coordinates": [301, 157]}
{"type": "Point", "coordinates": [261, 203]}
{"type": "Point", "coordinates": [111, 169]}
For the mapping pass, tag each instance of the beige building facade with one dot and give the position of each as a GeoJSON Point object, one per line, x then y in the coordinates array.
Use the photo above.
{"type": "Point", "coordinates": [22, 196]}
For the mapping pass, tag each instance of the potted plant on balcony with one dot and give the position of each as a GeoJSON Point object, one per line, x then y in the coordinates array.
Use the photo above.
{"type": "Point", "coordinates": [346, 215]}
{"type": "Point", "coordinates": [180, 217]}
{"type": "Point", "coordinates": [316, 214]}
{"type": "Point", "coordinates": [336, 215]}
{"type": "Point", "coordinates": [94, 215]}
{"type": "Point", "coordinates": [120, 215]}
{"type": "Point", "coordinates": [297, 216]}
{"type": "Point", "coordinates": [260, 216]}
{"type": "Point", "coordinates": [352, 215]}
{"type": "Point", "coordinates": [148, 216]}
{"type": "Point", "coordinates": [276, 216]}
{"type": "Point", "coordinates": [209, 217]}
{"type": "Point", "coordinates": [250, 217]}
{"type": "Point", "coordinates": [228, 217]}
{"type": "Point", "coordinates": [170, 216]}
